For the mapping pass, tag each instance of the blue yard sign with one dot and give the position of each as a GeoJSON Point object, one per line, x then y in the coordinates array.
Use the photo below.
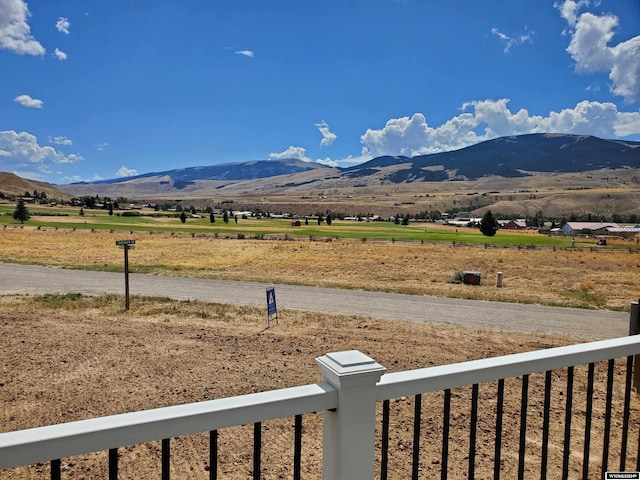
{"type": "Point", "coordinates": [272, 309]}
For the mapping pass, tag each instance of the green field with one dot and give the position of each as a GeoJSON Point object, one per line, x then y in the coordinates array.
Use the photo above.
{"type": "Point", "coordinates": [149, 220]}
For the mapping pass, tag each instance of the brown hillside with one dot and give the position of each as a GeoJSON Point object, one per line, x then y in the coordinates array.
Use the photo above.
{"type": "Point", "coordinates": [11, 184]}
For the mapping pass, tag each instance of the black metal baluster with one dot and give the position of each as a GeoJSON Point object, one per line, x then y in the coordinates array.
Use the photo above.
{"type": "Point", "coordinates": [213, 455]}
{"type": "Point", "coordinates": [524, 402]}
{"type": "Point", "coordinates": [498, 443]}
{"type": "Point", "coordinates": [587, 425]}
{"type": "Point", "coordinates": [445, 434]}
{"type": "Point", "coordinates": [473, 427]}
{"type": "Point", "coordinates": [384, 460]}
{"type": "Point", "coordinates": [626, 413]}
{"type": "Point", "coordinates": [545, 425]}
{"type": "Point", "coordinates": [166, 458]}
{"type": "Point", "coordinates": [416, 436]}
{"type": "Point", "coordinates": [607, 418]}
{"type": "Point", "coordinates": [113, 464]}
{"type": "Point", "coordinates": [567, 426]}
{"type": "Point", "coordinates": [55, 469]}
{"type": "Point", "coordinates": [257, 449]}
{"type": "Point", "coordinates": [297, 448]}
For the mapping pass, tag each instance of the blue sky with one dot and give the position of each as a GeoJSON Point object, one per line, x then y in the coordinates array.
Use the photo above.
{"type": "Point", "coordinates": [105, 89]}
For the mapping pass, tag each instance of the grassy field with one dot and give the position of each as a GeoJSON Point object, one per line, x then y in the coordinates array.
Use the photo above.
{"type": "Point", "coordinates": [580, 277]}
{"type": "Point", "coordinates": [151, 221]}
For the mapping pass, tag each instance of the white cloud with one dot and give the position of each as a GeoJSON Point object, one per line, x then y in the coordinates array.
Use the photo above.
{"type": "Point", "coordinates": [246, 53]}
{"type": "Point", "coordinates": [569, 10]}
{"type": "Point", "coordinates": [509, 42]}
{"type": "Point", "coordinates": [590, 48]}
{"type": "Point", "coordinates": [489, 119]}
{"type": "Point", "coordinates": [60, 140]}
{"type": "Point", "coordinates": [27, 101]}
{"type": "Point", "coordinates": [15, 33]}
{"type": "Point", "coordinates": [328, 137]}
{"type": "Point", "coordinates": [291, 152]}
{"type": "Point", "coordinates": [22, 149]}
{"type": "Point", "coordinates": [63, 25]}
{"type": "Point", "coordinates": [101, 146]}
{"type": "Point", "coordinates": [124, 171]}
{"type": "Point", "coordinates": [59, 54]}
{"type": "Point", "coordinates": [327, 161]}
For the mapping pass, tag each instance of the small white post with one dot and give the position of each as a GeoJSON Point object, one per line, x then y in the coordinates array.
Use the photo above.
{"type": "Point", "coordinates": [499, 279]}
{"type": "Point", "coordinates": [349, 431]}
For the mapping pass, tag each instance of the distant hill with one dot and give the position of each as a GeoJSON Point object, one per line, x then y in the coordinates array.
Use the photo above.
{"type": "Point", "coordinates": [11, 184]}
{"type": "Point", "coordinates": [509, 157]}
{"type": "Point", "coordinates": [251, 170]}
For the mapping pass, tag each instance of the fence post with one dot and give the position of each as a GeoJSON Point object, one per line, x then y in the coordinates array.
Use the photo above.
{"type": "Point", "coordinates": [634, 329]}
{"type": "Point", "coordinates": [349, 430]}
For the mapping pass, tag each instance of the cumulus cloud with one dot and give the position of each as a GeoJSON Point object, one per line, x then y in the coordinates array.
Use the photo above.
{"type": "Point", "coordinates": [509, 41]}
{"type": "Point", "coordinates": [487, 119]}
{"type": "Point", "coordinates": [569, 10]}
{"type": "Point", "coordinates": [327, 161]}
{"type": "Point", "coordinates": [59, 54]}
{"type": "Point", "coordinates": [124, 171]}
{"type": "Point", "coordinates": [291, 152]}
{"type": "Point", "coordinates": [590, 47]}
{"type": "Point", "coordinates": [27, 101]}
{"type": "Point", "coordinates": [328, 137]}
{"type": "Point", "coordinates": [60, 140]}
{"type": "Point", "coordinates": [21, 149]}
{"type": "Point", "coordinates": [15, 32]}
{"type": "Point", "coordinates": [246, 53]}
{"type": "Point", "coordinates": [62, 25]}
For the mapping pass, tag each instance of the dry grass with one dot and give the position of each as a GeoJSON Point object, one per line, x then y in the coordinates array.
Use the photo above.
{"type": "Point", "coordinates": [569, 278]}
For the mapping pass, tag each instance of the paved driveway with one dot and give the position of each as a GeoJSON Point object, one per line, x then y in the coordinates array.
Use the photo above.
{"type": "Point", "coordinates": [587, 324]}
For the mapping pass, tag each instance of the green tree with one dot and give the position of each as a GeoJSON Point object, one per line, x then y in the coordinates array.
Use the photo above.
{"type": "Point", "coordinates": [21, 212]}
{"type": "Point", "coordinates": [489, 225]}
{"type": "Point", "coordinates": [225, 217]}
{"type": "Point", "coordinates": [183, 217]}
{"type": "Point", "coordinates": [111, 209]}
{"type": "Point", "coordinates": [212, 218]}
{"type": "Point", "coordinates": [81, 212]}
{"type": "Point", "coordinates": [329, 220]}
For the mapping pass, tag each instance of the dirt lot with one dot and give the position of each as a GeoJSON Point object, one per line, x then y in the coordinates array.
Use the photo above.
{"type": "Point", "coordinates": [70, 357]}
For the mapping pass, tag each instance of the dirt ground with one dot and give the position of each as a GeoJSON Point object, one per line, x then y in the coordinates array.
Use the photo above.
{"type": "Point", "coordinates": [66, 358]}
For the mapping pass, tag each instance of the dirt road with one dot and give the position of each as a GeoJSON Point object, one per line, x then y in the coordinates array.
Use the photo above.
{"type": "Point", "coordinates": [587, 324]}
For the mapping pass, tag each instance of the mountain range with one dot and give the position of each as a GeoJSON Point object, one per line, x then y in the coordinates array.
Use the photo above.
{"type": "Point", "coordinates": [506, 157]}
{"type": "Point", "coordinates": [514, 156]}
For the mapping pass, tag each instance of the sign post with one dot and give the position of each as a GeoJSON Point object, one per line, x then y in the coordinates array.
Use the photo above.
{"type": "Point", "coordinates": [126, 245]}
{"type": "Point", "coordinates": [272, 309]}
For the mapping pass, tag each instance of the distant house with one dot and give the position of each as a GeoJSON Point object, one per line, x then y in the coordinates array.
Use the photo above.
{"type": "Point", "coordinates": [594, 228]}
{"type": "Point", "coordinates": [519, 224]}
{"type": "Point", "coordinates": [625, 232]}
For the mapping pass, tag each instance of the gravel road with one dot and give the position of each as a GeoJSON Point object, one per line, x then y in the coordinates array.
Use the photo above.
{"type": "Point", "coordinates": [587, 324]}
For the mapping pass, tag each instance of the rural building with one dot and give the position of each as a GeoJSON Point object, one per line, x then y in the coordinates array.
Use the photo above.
{"type": "Point", "coordinates": [596, 228]}
{"type": "Point", "coordinates": [624, 232]}
{"type": "Point", "coordinates": [519, 224]}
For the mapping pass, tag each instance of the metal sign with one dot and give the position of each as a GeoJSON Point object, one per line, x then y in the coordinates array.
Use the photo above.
{"type": "Point", "coordinates": [121, 243]}
{"type": "Point", "coordinates": [272, 309]}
